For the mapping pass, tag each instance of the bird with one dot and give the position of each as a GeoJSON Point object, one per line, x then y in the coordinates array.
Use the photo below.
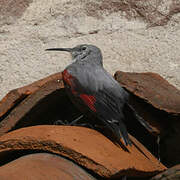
{"type": "Point", "coordinates": [90, 86]}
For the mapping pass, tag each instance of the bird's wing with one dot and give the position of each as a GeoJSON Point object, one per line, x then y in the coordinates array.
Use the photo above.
{"type": "Point", "coordinates": [103, 95]}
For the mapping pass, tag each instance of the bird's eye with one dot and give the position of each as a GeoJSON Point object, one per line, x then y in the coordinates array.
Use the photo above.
{"type": "Point", "coordinates": [84, 48]}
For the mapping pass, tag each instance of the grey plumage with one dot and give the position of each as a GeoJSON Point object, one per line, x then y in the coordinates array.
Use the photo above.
{"type": "Point", "coordinates": [105, 94]}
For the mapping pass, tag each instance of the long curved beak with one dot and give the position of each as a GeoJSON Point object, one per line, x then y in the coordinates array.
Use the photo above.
{"type": "Point", "coordinates": [59, 49]}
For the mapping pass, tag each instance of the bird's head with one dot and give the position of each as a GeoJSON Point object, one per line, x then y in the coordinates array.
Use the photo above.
{"type": "Point", "coordinates": [83, 53]}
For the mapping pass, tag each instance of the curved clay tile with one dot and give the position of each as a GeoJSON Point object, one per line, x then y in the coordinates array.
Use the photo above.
{"type": "Point", "coordinates": [15, 96]}
{"type": "Point", "coordinates": [44, 166]}
{"type": "Point", "coordinates": [153, 89]}
{"type": "Point", "coordinates": [172, 173]}
{"type": "Point", "coordinates": [158, 102]}
{"type": "Point", "coordinates": [84, 146]}
{"type": "Point", "coordinates": [28, 103]}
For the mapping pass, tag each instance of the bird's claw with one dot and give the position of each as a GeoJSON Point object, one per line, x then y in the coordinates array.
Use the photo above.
{"type": "Point", "coordinates": [61, 122]}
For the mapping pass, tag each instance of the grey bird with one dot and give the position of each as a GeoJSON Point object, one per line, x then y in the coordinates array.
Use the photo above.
{"type": "Point", "coordinates": [93, 90]}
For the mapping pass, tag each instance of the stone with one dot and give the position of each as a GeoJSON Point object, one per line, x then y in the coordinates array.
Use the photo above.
{"type": "Point", "coordinates": [134, 36]}
{"type": "Point", "coordinates": [12, 10]}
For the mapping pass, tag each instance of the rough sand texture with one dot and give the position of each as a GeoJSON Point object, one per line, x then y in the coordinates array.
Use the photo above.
{"type": "Point", "coordinates": [135, 36]}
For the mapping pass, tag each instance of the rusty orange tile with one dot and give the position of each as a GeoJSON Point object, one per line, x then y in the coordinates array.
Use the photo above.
{"type": "Point", "coordinates": [15, 96]}
{"type": "Point", "coordinates": [23, 113]}
{"type": "Point", "coordinates": [44, 166]}
{"type": "Point", "coordinates": [86, 147]}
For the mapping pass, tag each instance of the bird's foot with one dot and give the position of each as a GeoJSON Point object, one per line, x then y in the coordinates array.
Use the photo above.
{"type": "Point", "coordinates": [86, 125]}
{"type": "Point", "coordinates": [77, 123]}
{"type": "Point", "coordinates": [61, 122]}
{"type": "Point", "coordinates": [74, 122]}
{"type": "Point", "coordinates": [66, 122]}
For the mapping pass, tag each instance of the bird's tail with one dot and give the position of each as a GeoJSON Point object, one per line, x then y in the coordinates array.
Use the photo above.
{"type": "Point", "coordinates": [119, 131]}
{"type": "Point", "coordinates": [139, 118]}
{"type": "Point", "coordinates": [124, 133]}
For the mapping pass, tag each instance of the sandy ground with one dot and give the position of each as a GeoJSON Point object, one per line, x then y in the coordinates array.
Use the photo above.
{"type": "Point", "coordinates": [128, 44]}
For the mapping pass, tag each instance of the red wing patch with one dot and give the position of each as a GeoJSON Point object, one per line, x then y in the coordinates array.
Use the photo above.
{"type": "Point", "coordinates": [68, 79]}
{"type": "Point", "coordinates": [89, 100]}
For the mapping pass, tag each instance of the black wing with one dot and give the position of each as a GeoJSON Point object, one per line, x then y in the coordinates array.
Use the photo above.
{"type": "Point", "coordinates": [104, 96]}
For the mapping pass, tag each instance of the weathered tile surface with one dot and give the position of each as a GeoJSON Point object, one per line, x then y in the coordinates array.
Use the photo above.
{"type": "Point", "coordinates": [86, 147]}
